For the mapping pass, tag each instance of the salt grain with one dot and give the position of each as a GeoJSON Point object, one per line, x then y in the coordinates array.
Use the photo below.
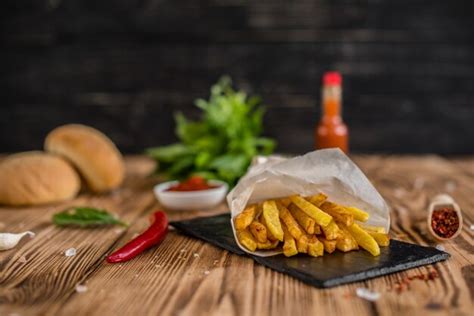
{"type": "Point", "coordinates": [182, 250]}
{"type": "Point", "coordinates": [22, 259]}
{"type": "Point", "coordinates": [440, 247]}
{"type": "Point", "coordinates": [207, 272]}
{"type": "Point", "coordinates": [71, 252]}
{"type": "Point", "coordinates": [450, 186]}
{"type": "Point", "coordinates": [171, 228]}
{"type": "Point", "coordinates": [471, 227]}
{"type": "Point", "coordinates": [81, 288]}
{"type": "Point", "coordinates": [196, 255]}
{"type": "Point", "coordinates": [367, 294]}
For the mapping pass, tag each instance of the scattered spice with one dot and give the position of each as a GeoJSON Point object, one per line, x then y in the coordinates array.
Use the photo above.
{"type": "Point", "coordinates": [445, 222]}
{"type": "Point", "coordinates": [194, 183]}
{"type": "Point", "coordinates": [404, 284]}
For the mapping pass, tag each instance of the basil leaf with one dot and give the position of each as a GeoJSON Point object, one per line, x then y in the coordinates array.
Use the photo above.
{"type": "Point", "coordinates": [85, 217]}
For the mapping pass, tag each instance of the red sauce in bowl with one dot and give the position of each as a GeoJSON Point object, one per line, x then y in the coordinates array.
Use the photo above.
{"type": "Point", "coordinates": [194, 183]}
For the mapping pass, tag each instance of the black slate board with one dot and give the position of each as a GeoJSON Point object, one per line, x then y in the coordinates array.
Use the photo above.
{"type": "Point", "coordinates": [322, 272]}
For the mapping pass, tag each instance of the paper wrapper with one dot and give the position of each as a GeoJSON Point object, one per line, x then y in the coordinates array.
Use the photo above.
{"type": "Point", "coordinates": [328, 171]}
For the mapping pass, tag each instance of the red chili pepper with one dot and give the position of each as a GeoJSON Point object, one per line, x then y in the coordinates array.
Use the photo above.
{"type": "Point", "coordinates": [149, 238]}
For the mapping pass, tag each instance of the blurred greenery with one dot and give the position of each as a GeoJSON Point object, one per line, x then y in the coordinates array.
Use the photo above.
{"type": "Point", "coordinates": [222, 143]}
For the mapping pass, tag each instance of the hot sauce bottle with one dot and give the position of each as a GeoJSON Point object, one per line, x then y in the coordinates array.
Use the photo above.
{"type": "Point", "coordinates": [331, 131]}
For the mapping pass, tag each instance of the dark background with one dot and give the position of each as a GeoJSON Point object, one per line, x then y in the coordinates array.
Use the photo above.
{"type": "Point", "coordinates": [126, 66]}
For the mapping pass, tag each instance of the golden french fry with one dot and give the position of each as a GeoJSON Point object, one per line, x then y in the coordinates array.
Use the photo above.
{"type": "Point", "coordinates": [329, 245]}
{"type": "Point", "coordinates": [311, 210]}
{"type": "Point", "coordinates": [331, 231]}
{"type": "Point", "coordinates": [267, 245]}
{"type": "Point", "coordinates": [293, 227]}
{"type": "Point", "coordinates": [259, 231]}
{"type": "Point", "coordinates": [375, 229]}
{"type": "Point", "coordinates": [317, 229]}
{"type": "Point", "coordinates": [302, 244]}
{"type": "Point", "coordinates": [317, 199]}
{"type": "Point", "coordinates": [285, 201]}
{"type": "Point", "coordinates": [346, 242]}
{"type": "Point", "coordinates": [289, 244]}
{"type": "Point", "coordinates": [364, 239]}
{"type": "Point", "coordinates": [359, 215]}
{"type": "Point", "coordinates": [246, 239]}
{"type": "Point", "coordinates": [269, 233]}
{"type": "Point", "coordinates": [315, 247]}
{"type": "Point", "coordinates": [272, 220]}
{"type": "Point", "coordinates": [339, 213]}
{"type": "Point", "coordinates": [303, 219]}
{"type": "Point", "coordinates": [381, 238]}
{"type": "Point", "coordinates": [244, 219]}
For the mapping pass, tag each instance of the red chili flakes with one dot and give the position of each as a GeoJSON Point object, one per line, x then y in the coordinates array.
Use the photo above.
{"type": "Point", "coordinates": [404, 284]}
{"type": "Point", "coordinates": [445, 222]}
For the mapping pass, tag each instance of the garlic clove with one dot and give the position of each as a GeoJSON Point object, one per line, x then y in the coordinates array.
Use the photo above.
{"type": "Point", "coordinates": [8, 240]}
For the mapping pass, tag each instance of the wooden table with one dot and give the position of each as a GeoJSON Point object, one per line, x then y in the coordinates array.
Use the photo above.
{"type": "Point", "coordinates": [186, 276]}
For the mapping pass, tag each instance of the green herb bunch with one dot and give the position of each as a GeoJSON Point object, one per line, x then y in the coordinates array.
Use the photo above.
{"type": "Point", "coordinates": [222, 143]}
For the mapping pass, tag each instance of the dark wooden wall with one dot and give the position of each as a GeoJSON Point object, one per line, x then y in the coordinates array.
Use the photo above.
{"type": "Point", "coordinates": [125, 66]}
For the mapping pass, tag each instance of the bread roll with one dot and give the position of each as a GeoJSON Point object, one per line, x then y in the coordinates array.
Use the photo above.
{"type": "Point", "coordinates": [91, 152]}
{"type": "Point", "coordinates": [32, 178]}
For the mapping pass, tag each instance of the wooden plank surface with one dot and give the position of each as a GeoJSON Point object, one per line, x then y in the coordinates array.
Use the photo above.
{"type": "Point", "coordinates": [185, 276]}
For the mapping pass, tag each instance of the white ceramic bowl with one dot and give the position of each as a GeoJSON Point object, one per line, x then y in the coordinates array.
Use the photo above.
{"type": "Point", "coordinates": [190, 200]}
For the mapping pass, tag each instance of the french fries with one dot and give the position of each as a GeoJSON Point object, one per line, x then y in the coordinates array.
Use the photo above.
{"type": "Point", "coordinates": [246, 239]}
{"type": "Point", "coordinates": [315, 247]}
{"type": "Point", "coordinates": [303, 219]}
{"type": "Point", "coordinates": [313, 225]}
{"type": "Point", "coordinates": [293, 227]}
{"type": "Point", "coordinates": [381, 238]}
{"type": "Point", "coordinates": [376, 229]}
{"type": "Point", "coordinates": [312, 210]}
{"type": "Point", "coordinates": [267, 245]}
{"type": "Point", "coordinates": [332, 231]}
{"type": "Point", "coordinates": [244, 219]}
{"type": "Point", "coordinates": [289, 245]}
{"type": "Point", "coordinates": [364, 239]}
{"type": "Point", "coordinates": [346, 242]}
{"type": "Point", "coordinates": [317, 199]}
{"type": "Point", "coordinates": [359, 215]}
{"type": "Point", "coordinates": [302, 244]}
{"type": "Point", "coordinates": [271, 215]}
{"type": "Point", "coordinates": [329, 245]}
{"type": "Point", "coordinates": [339, 213]}
{"type": "Point", "coordinates": [259, 231]}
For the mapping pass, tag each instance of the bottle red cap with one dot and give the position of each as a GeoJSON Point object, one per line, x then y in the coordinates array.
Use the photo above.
{"type": "Point", "coordinates": [332, 78]}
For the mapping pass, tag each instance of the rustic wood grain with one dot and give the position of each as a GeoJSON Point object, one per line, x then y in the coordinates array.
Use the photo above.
{"type": "Point", "coordinates": [185, 276]}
